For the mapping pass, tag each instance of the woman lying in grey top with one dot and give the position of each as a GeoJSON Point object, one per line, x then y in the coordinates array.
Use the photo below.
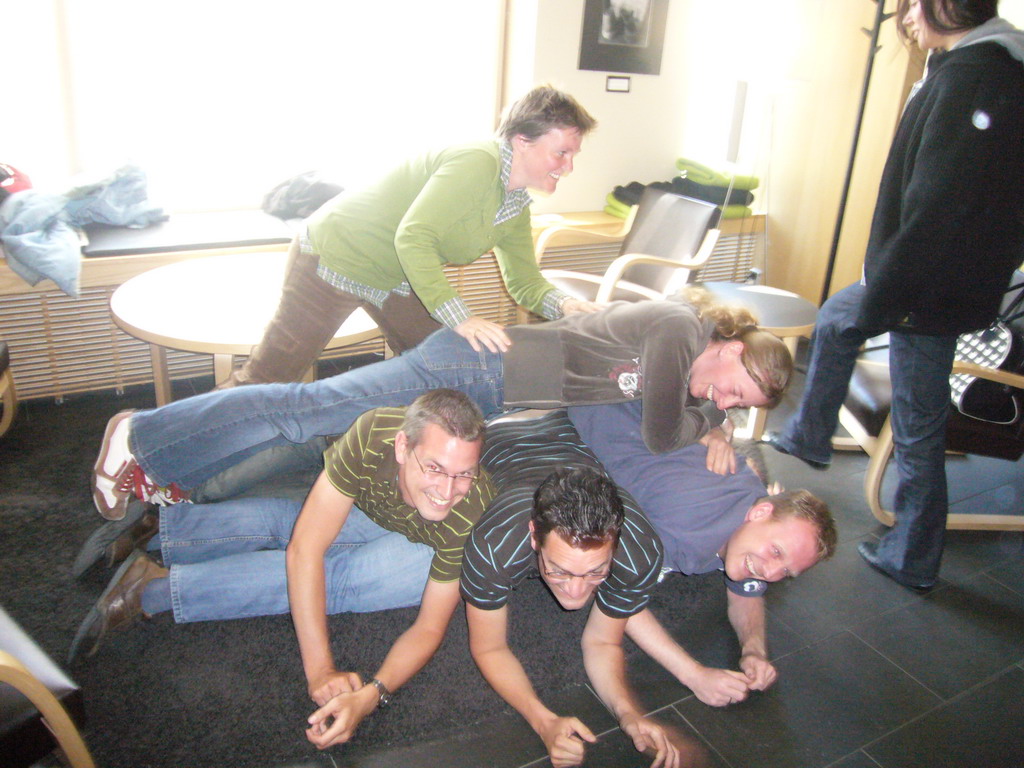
{"type": "Point", "coordinates": [688, 359]}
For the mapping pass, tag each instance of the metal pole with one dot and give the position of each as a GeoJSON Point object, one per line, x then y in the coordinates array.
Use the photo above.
{"type": "Point", "coordinates": [880, 16]}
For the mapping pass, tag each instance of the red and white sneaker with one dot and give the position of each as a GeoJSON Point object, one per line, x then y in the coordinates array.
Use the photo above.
{"type": "Point", "coordinates": [113, 468]}
{"type": "Point", "coordinates": [117, 477]}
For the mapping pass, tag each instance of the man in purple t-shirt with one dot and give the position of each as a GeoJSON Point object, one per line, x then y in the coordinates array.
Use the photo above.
{"type": "Point", "coordinates": [709, 521]}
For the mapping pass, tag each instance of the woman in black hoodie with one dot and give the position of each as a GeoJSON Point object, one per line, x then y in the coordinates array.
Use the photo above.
{"type": "Point", "coordinates": [947, 233]}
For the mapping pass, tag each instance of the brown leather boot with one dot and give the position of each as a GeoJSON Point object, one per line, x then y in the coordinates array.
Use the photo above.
{"type": "Point", "coordinates": [120, 605]}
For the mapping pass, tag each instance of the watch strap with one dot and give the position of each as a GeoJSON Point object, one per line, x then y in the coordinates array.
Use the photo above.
{"type": "Point", "coordinates": [383, 694]}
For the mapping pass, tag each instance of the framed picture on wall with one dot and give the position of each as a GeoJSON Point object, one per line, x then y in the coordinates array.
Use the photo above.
{"type": "Point", "coordinates": [623, 35]}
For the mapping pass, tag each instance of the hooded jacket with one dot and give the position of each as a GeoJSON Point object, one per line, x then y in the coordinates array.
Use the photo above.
{"type": "Point", "coordinates": [948, 227]}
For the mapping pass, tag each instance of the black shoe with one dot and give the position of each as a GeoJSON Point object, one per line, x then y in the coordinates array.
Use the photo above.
{"type": "Point", "coordinates": [869, 551]}
{"type": "Point", "coordinates": [105, 540]}
{"type": "Point", "coordinates": [772, 439]}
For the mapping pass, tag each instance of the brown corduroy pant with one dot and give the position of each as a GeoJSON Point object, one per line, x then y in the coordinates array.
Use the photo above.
{"type": "Point", "coordinates": [309, 314]}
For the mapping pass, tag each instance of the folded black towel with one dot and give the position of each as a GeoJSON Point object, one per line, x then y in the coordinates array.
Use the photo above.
{"type": "Point", "coordinates": [691, 188]}
{"type": "Point", "coordinates": [664, 186]}
{"type": "Point", "coordinates": [630, 193]}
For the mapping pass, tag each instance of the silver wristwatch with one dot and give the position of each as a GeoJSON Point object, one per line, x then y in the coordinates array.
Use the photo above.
{"type": "Point", "coordinates": [383, 694]}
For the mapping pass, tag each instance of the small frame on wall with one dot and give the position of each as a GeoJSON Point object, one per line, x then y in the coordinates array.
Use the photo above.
{"type": "Point", "coordinates": [623, 35]}
{"type": "Point", "coordinates": [617, 84]}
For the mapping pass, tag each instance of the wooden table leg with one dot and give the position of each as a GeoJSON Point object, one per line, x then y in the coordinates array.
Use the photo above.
{"type": "Point", "coordinates": [223, 365]}
{"type": "Point", "coordinates": [754, 428]}
{"type": "Point", "coordinates": [9, 397]}
{"type": "Point", "coordinates": [161, 376]}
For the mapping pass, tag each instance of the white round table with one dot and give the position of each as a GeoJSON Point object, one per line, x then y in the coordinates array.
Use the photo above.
{"type": "Point", "coordinates": [215, 305]}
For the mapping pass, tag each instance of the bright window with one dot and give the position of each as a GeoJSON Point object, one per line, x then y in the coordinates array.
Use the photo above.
{"type": "Point", "coordinates": [218, 100]}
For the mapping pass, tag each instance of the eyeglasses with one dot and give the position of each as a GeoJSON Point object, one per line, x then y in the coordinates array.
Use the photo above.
{"type": "Point", "coordinates": [561, 577]}
{"type": "Point", "coordinates": [464, 479]}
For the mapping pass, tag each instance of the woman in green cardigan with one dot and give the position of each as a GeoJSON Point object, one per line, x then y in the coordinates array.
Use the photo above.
{"type": "Point", "coordinates": [384, 248]}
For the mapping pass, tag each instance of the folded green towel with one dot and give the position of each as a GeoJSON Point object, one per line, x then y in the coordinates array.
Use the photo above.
{"type": "Point", "coordinates": [736, 212]}
{"type": "Point", "coordinates": [704, 175]}
{"type": "Point", "coordinates": [615, 204]}
{"type": "Point", "coordinates": [614, 211]}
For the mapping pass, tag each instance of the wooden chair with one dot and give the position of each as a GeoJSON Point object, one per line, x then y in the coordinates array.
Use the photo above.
{"type": "Point", "coordinates": [13, 673]}
{"type": "Point", "coordinates": [668, 239]}
{"type": "Point", "coordinates": [866, 416]}
{"type": "Point", "coordinates": [8, 395]}
{"type": "Point", "coordinates": [37, 703]}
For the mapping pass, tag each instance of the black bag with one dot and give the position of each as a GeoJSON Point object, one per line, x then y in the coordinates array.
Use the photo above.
{"type": "Point", "coordinates": [1001, 346]}
{"type": "Point", "coordinates": [299, 196]}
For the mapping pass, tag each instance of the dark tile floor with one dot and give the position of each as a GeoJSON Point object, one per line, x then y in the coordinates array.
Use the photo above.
{"type": "Point", "coordinates": [871, 675]}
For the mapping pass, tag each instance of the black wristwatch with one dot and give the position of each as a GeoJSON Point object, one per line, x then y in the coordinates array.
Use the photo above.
{"type": "Point", "coordinates": [383, 694]}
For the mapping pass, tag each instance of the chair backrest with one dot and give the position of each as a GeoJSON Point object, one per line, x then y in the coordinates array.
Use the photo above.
{"type": "Point", "coordinates": [668, 226]}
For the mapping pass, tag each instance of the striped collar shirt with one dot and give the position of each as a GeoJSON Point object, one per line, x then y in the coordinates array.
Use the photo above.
{"type": "Point", "coordinates": [516, 200]}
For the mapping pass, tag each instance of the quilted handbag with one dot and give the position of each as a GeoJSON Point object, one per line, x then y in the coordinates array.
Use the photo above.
{"type": "Point", "coordinates": [1001, 346]}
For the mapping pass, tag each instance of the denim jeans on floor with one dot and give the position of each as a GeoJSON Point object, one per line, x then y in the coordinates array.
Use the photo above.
{"type": "Point", "coordinates": [919, 367]}
{"type": "Point", "coordinates": [227, 561]}
{"type": "Point", "coordinates": [835, 344]}
{"type": "Point", "coordinates": [191, 440]}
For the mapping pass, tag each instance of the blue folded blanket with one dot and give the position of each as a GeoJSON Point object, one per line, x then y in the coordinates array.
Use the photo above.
{"type": "Point", "coordinates": [38, 242]}
{"type": "Point", "coordinates": [37, 229]}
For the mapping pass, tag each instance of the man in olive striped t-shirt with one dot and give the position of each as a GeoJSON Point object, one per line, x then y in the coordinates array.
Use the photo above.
{"type": "Point", "coordinates": [414, 472]}
{"type": "Point", "coordinates": [382, 527]}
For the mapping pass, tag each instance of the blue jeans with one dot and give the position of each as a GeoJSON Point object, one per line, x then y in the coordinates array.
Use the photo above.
{"type": "Point", "coordinates": [919, 368]}
{"type": "Point", "coordinates": [191, 440]}
{"type": "Point", "coordinates": [227, 561]}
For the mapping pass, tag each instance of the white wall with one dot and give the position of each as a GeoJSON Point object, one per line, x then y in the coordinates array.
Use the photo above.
{"type": "Point", "coordinates": [638, 133]}
{"type": "Point", "coordinates": [686, 110]}
{"type": "Point", "coordinates": [1013, 12]}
